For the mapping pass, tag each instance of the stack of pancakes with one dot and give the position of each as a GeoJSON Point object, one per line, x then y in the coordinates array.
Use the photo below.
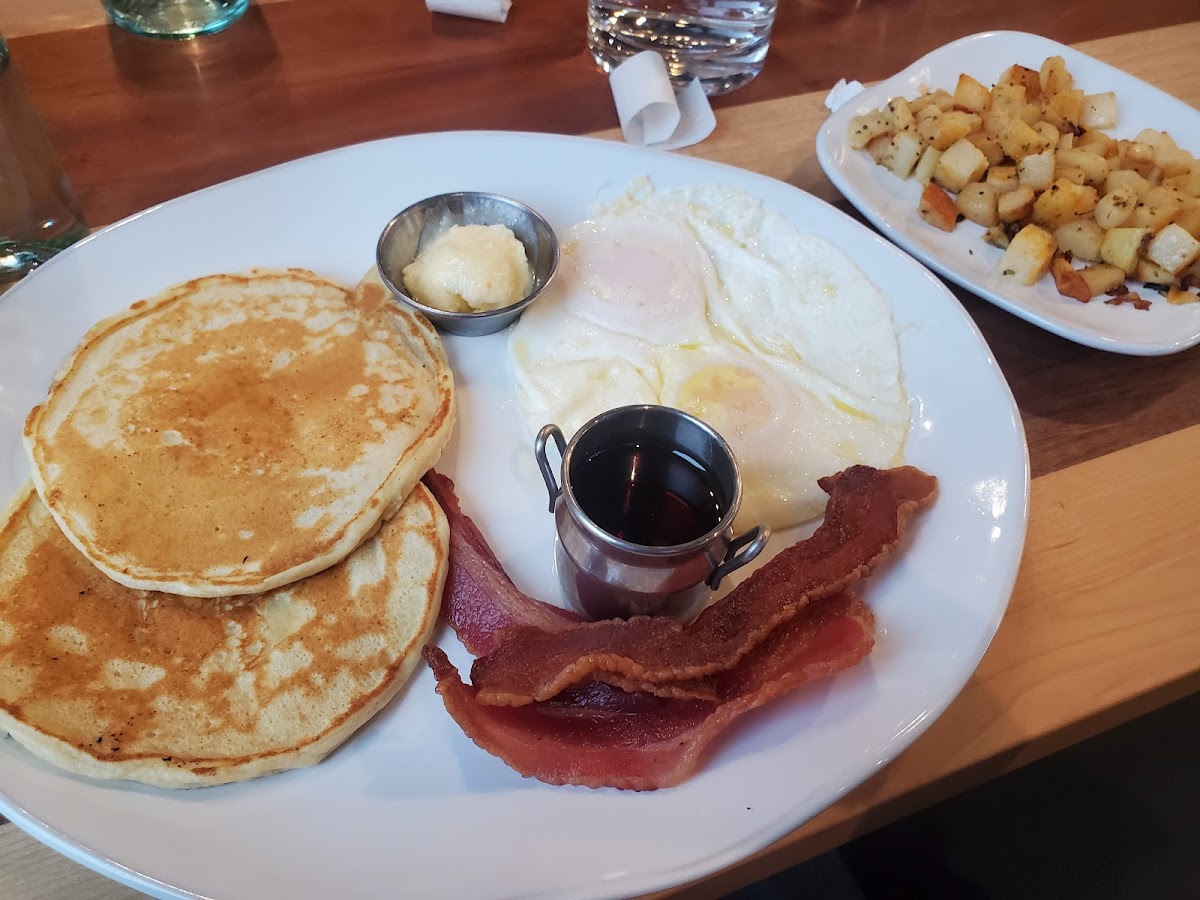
{"type": "Point", "coordinates": [229, 563]}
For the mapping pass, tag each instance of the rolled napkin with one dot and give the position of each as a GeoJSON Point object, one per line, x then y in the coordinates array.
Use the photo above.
{"type": "Point", "coordinates": [842, 92]}
{"type": "Point", "coordinates": [491, 10]}
{"type": "Point", "coordinates": [650, 113]}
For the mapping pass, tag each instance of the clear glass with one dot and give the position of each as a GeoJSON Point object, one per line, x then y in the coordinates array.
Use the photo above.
{"type": "Point", "coordinates": [174, 18]}
{"type": "Point", "coordinates": [722, 42]}
{"type": "Point", "coordinates": [38, 212]}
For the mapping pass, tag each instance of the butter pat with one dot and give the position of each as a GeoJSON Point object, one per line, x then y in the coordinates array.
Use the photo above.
{"type": "Point", "coordinates": [470, 268]}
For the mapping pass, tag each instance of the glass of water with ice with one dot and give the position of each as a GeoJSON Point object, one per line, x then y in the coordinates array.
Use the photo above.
{"type": "Point", "coordinates": [722, 42]}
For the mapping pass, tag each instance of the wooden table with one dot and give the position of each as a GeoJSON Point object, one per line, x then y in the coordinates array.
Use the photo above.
{"type": "Point", "coordinates": [1103, 624]}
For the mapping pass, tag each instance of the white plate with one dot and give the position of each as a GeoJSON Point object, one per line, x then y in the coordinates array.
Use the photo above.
{"type": "Point", "coordinates": [961, 255]}
{"type": "Point", "coordinates": [409, 806]}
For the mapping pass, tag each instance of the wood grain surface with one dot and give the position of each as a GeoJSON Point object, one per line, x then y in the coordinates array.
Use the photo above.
{"type": "Point", "coordinates": [1102, 625]}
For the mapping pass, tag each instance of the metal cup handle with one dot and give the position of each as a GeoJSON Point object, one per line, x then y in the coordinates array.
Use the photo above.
{"type": "Point", "coordinates": [742, 549]}
{"type": "Point", "coordinates": [539, 450]}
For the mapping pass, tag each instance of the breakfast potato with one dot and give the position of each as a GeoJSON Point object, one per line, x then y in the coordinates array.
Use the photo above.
{"type": "Point", "coordinates": [1003, 178]}
{"type": "Point", "coordinates": [1063, 202]}
{"type": "Point", "coordinates": [1123, 247]}
{"type": "Point", "coordinates": [1068, 281]}
{"type": "Point", "coordinates": [1037, 170]}
{"type": "Point", "coordinates": [1179, 296]}
{"type": "Point", "coordinates": [937, 208]}
{"type": "Point", "coordinates": [1115, 207]}
{"type": "Point", "coordinates": [1093, 165]}
{"type": "Point", "coordinates": [1013, 206]}
{"type": "Point", "coordinates": [1054, 77]}
{"type": "Point", "coordinates": [971, 95]}
{"type": "Point", "coordinates": [923, 173]}
{"type": "Point", "coordinates": [902, 156]}
{"type": "Point", "coordinates": [1028, 160]}
{"type": "Point", "coordinates": [977, 202]}
{"type": "Point", "coordinates": [1099, 111]}
{"type": "Point", "coordinates": [867, 127]}
{"type": "Point", "coordinates": [1173, 249]}
{"type": "Point", "coordinates": [1081, 239]}
{"type": "Point", "coordinates": [1102, 278]}
{"type": "Point", "coordinates": [961, 164]}
{"type": "Point", "coordinates": [1028, 255]}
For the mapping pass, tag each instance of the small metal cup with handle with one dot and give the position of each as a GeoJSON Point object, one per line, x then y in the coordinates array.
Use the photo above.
{"type": "Point", "coordinates": [644, 512]}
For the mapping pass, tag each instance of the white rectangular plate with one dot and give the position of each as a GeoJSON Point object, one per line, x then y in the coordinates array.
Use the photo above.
{"type": "Point", "coordinates": [962, 256]}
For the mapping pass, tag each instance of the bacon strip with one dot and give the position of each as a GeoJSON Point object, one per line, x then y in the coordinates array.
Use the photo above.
{"type": "Point", "coordinates": [867, 513]}
{"type": "Point", "coordinates": [595, 735]}
{"type": "Point", "coordinates": [480, 599]}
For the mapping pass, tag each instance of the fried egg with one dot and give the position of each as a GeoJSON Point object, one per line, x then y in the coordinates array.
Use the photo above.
{"type": "Point", "coordinates": [702, 300]}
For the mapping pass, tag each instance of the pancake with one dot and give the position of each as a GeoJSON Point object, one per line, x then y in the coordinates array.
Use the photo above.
{"type": "Point", "coordinates": [110, 682]}
{"type": "Point", "coordinates": [239, 432]}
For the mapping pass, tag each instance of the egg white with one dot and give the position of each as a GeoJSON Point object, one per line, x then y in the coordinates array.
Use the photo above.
{"type": "Point", "coordinates": [703, 300]}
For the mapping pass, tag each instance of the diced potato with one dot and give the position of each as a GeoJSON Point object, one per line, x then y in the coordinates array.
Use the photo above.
{"type": "Point", "coordinates": [1054, 77]}
{"type": "Point", "coordinates": [1187, 182]}
{"type": "Point", "coordinates": [1137, 151]}
{"type": "Point", "coordinates": [923, 173]}
{"type": "Point", "coordinates": [867, 127]}
{"type": "Point", "coordinates": [880, 148]}
{"type": "Point", "coordinates": [1065, 110]}
{"type": "Point", "coordinates": [1115, 207]}
{"type": "Point", "coordinates": [937, 208]}
{"type": "Point", "coordinates": [977, 202]}
{"type": "Point", "coordinates": [1069, 282]}
{"type": "Point", "coordinates": [1066, 141]}
{"type": "Point", "coordinates": [1173, 249]}
{"type": "Point", "coordinates": [1047, 131]}
{"type": "Point", "coordinates": [1179, 296]}
{"type": "Point", "coordinates": [1126, 178]}
{"type": "Point", "coordinates": [1123, 247]}
{"type": "Point", "coordinates": [1159, 140]}
{"type": "Point", "coordinates": [961, 164]}
{"type": "Point", "coordinates": [1102, 278]}
{"type": "Point", "coordinates": [1189, 220]}
{"type": "Point", "coordinates": [1063, 202]}
{"type": "Point", "coordinates": [1099, 110]}
{"type": "Point", "coordinates": [923, 102]}
{"type": "Point", "coordinates": [1003, 178]}
{"type": "Point", "coordinates": [905, 151]}
{"type": "Point", "coordinates": [1071, 174]}
{"type": "Point", "coordinates": [1158, 208]}
{"type": "Point", "coordinates": [1152, 273]}
{"type": "Point", "coordinates": [1096, 141]}
{"type": "Point", "coordinates": [948, 128]}
{"type": "Point", "coordinates": [1081, 239]}
{"type": "Point", "coordinates": [988, 145]}
{"type": "Point", "coordinates": [1026, 78]}
{"type": "Point", "coordinates": [1014, 205]}
{"type": "Point", "coordinates": [1010, 97]}
{"type": "Point", "coordinates": [1173, 161]}
{"type": "Point", "coordinates": [1028, 255]}
{"type": "Point", "coordinates": [1016, 137]}
{"type": "Point", "coordinates": [899, 114]}
{"type": "Point", "coordinates": [1094, 166]}
{"type": "Point", "coordinates": [932, 111]}
{"type": "Point", "coordinates": [971, 95]}
{"type": "Point", "coordinates": [1037, 170]}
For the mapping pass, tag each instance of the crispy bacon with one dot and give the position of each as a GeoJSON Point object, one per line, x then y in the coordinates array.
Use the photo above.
{"type": "Point", "coordinates": [866, 515]}
{"type": "Point", "coordinates": [596, 735]}
{"type": "Point", "coordinates": [480, 599]}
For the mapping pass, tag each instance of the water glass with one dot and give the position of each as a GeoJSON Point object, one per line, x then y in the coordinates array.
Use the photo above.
{"type": "Point", "coordinates": [174, 18]}
{"type": "Point", "coordinates": [722, 42]}
{"type": "Point", "coordinates": [38, 212]}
